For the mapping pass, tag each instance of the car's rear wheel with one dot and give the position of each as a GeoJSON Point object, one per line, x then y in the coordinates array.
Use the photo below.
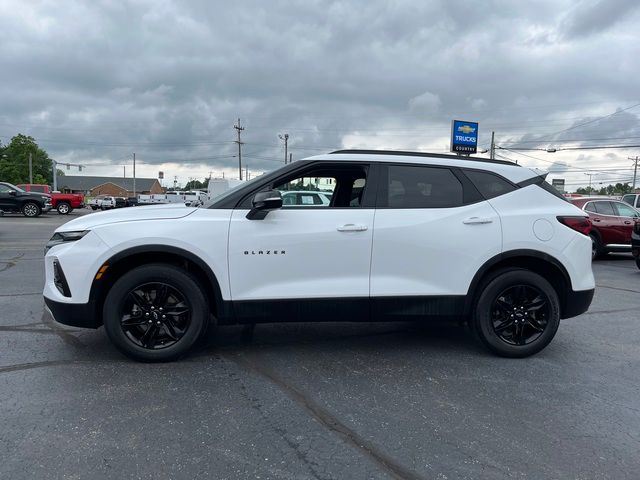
{"type": "Point", "coordinates": [155, 313]}
{"type": "Point", "coordinates": [31, 209]}
{"type": "Point", "coordinates": [597, 250]}
{"type": "Point", "coordinates": [517, 313]}
{"type": "Point", "coordinates": [63, 208]}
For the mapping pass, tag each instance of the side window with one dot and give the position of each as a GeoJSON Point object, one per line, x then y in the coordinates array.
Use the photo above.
{"type": "Point", "coordinates": [423, 187]}
{"type": "Point", "coordinates": [625, 210]}
{"type": "Point", "coordinates": [590, 207]}
{"type": "Point", "coordinates": [488, 184]}
{"type": "Point", "coordinates": [604, 208]}
{"type": "Point", "coordinates": [37, 188]}
{"type": "Point", "coordinates": [4, 189]}
{"type": "Point", "coordinates": [630, 199]}
{"type": "Point", "coordinates": [339, 187]}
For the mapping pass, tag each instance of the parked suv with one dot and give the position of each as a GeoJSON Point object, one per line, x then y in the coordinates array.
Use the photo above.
{"type": "Point", "coordinates": [406, 236]}
{"type": "Point", "coordinates": [612, 222]}
{"type": "Point", "coordinates": [14, 199]}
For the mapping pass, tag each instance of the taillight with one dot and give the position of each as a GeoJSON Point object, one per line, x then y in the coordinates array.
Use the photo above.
{"type": "Point", "coordinates": [579, 224]}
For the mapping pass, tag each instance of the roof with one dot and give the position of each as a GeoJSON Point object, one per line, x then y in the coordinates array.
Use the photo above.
{"type": "Point", "coordinates": [85, 182]}
{"type": "Point", "coordinates": [510, 170]}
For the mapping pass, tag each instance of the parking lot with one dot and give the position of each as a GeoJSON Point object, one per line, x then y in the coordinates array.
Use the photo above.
{"type": "Point", "coordinates": [317, 401]}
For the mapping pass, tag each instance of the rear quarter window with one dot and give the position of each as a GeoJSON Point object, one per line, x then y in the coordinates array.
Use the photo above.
{"type": "Point", "coordinates": [489, 184]}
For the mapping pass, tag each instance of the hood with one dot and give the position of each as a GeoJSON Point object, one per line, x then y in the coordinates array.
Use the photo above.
{"type": "Point", "coordinates": [130, 214]}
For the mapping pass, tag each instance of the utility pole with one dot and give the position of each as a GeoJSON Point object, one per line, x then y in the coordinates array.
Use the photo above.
{"type": "Point", "coordinates": [590, 175]}
{"type": "Point", "coordinates": [124, 171]}
{"type": "Point", "coordinates": [55, 175]}
{"type": "Point", "coordinates": [285, 137]}
{"type": "Point", "coordinates": [291, 158]}
{"type": "Point", "coordinates": [492, 155]}
{"type": "Point", "coordinates": [134, 174]}
{"type": "Point", "coordinates": [239, 142]}
{"type": "Point", "coordinates": [30, 167]}
{"type": "Point", "coordinates": [246, 173]}
{"type": "Point", "coordinates": [635, 170]}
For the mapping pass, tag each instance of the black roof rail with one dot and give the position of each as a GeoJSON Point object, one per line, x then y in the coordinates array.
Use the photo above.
{"type": "Point", "coordinates": [425, 154]}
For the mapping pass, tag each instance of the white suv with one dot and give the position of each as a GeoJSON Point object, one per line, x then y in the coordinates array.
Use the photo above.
{"type": "Point", "coordinates": [406, 236]}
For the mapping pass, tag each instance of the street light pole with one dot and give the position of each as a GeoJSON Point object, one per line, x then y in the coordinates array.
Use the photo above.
{"type": "Point", "coordinates": [285, 137]}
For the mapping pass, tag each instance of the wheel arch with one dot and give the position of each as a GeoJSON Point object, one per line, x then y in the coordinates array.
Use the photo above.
{"type": "Point", "coordinates": [541, 263]}
{"type": "Point", "coordinates": [130, 258]}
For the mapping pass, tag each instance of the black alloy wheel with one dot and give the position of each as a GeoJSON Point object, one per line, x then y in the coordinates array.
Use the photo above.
{"type": "Point", "coordinates": [155, 315]}
{"type": "Point", "coordinates": [156, 312]}
{"type": "Point", "coordinates": [520, 314]}
{"type": "Point", "coordinates": [517, 312]}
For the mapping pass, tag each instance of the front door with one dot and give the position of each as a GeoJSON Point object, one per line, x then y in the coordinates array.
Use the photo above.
{"type": "Point", "coordinates": [306, 261]}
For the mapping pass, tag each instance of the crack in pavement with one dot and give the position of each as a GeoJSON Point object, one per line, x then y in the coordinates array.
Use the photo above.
{"type": "Point", "coordinates": [618, 288]}
{"type": "Point", "coordinates": [29, 366]}
{"type": "Point", "coordinates": [19, 294]}
{"type": "Point", "coordinates": [10, 262]}
{"type": "Point", "coordinates": [390, 465]}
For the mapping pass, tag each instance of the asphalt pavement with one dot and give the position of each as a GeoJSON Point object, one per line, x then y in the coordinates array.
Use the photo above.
{"type": "Point", "coordinates": [315, 401]}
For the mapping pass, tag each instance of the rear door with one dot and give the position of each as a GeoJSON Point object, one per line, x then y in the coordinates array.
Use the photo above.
{"type": "Point", "coordinates": [627, 216]}
{"type": "Point", "coordinates": [432, 233]}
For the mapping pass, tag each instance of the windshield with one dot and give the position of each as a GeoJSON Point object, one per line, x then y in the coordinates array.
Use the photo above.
{"type": "Point", "coordinates": [10, 185]}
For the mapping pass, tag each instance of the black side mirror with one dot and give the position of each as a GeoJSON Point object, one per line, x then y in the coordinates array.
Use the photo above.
{"type": "Point", "coordinates": [263, 203]}
{"type": "Point", "coordinates": [13, 193]}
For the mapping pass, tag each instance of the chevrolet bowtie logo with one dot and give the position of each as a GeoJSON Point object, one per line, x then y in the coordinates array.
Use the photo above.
{"type": "Point", "coordinates": [466, 129]}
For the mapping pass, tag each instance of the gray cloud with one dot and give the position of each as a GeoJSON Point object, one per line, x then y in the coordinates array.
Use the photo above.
{"type": "Point", "coordinates": [94, 82]}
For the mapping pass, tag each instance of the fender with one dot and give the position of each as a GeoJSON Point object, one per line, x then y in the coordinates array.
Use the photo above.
{"type": "Point", "coordinates": [513, 254]}
{"type": "Point", "coordinates": [222, 308]}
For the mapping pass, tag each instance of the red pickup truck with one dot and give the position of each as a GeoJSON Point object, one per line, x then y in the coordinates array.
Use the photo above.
{"type": "Point", "coordinates": [63, 202]}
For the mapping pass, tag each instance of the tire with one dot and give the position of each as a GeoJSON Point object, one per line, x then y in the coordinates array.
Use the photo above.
{"type": "Point", "coordinates": [171, 337]}
{"type": "Point", "coordinates": [31, 209]}
{"type": "Point", "coordinates": [509, 330]}
{"type": "Point", "coordinates": [597, 250]}
{"type": "Point", "coordinates": [63, 208]}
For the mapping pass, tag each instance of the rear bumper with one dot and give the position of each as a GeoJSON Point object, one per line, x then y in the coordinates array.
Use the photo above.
{"type": "Point", "coordinates": [576, 303]}
{"type": "Point", "coordinates": [73, 314]}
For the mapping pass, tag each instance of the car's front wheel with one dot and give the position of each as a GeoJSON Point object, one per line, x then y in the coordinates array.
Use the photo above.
{"type": "Point", "coordinates": [155, 313]}
{"type": "Point", "coordinates": [517, 313]}
{"type": "Point", "coordinates": [31, 209]}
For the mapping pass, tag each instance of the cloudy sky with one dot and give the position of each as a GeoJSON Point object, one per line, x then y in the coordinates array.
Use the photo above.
{"type": "Point", "coordinates": [95, 81]}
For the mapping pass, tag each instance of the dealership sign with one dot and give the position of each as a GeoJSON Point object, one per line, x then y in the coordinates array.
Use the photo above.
{"type": "Point", "coordinates": [464, 136]}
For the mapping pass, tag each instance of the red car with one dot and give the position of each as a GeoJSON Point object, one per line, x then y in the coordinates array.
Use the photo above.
{"type": "Point", "coordinates": [63, 202]}
{"type": "Point", "coordinates": [612, 223]}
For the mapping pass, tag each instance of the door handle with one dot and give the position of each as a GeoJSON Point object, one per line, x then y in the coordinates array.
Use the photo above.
{"type": "Point", "coordinates": [596, 220]}
{"type": "Point", "coordinates": [351, 227]}
{"type": "Point", "coordinates": [477, 221]}
{"type": "Point", "coordinates": [627, 222]}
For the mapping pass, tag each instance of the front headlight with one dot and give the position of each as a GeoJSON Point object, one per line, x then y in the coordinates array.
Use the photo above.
{"type": "Point", "coordinates": [62, 237]}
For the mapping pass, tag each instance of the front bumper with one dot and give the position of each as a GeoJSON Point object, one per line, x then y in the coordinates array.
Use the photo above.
{"type": "Point", "coordinates": [47, 207]}
{"type": "Point", "coordinates": [577, 302]}
{"type": "Point", "coordinates": [82, 315]}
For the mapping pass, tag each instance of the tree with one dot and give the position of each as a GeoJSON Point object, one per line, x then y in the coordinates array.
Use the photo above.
{"type": "Point", "coordinates": [196, 185]}
{"type": "Point", "coordinates": [14, 161]}
{"type": "Point", "coordinates": [617, 189]}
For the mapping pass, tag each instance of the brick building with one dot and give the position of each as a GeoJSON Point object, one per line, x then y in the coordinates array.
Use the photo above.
{"type": "Point", "coordinates": [115, 186]}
